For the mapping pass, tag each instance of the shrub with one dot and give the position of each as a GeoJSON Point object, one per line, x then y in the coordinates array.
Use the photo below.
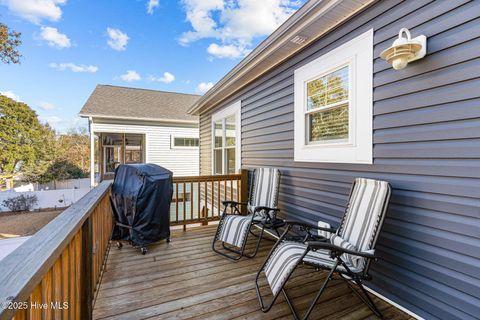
{"type": "Point", "coordinates": [21, 202]}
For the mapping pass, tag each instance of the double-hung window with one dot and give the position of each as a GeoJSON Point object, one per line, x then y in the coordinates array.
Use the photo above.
{"type": "Point", "coordinates": [226, 140]}
{"type": "Point", "coordinates": [333, 105]}
{"type": "Point", "coordinates": [327, 107]}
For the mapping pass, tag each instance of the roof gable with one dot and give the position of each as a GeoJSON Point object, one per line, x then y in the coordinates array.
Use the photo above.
{"type": "Point", "coordinates": [142, 104]}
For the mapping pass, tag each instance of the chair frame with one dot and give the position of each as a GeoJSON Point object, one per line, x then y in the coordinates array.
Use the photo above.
{"type": "Point", "coordinates": [238, 254]}
{"type": "Point", "coordinates": [335, 253]}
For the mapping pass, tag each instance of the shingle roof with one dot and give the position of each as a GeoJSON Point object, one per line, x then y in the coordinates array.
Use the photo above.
{"type": "Point", "coordinates": [132, 103]}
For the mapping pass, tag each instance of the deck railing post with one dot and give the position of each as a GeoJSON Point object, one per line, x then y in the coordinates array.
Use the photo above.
{"type": "Point", "coordinates": [244, 189]}
{"type": "Point", "coordinates": [86, 307]}
{"type": "Point", "coordinates": [204, 216]}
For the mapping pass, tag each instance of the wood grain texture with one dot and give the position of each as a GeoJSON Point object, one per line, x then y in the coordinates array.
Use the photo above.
{"type": "Point", "coordinates": [186, 280]}
{"type": "Point", "coordinates": [66, 265]}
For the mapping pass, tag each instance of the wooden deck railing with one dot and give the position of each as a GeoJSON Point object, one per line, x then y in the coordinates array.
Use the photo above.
{"type": "Point", "coordinates": [198, 199]}
{"type": "Point", "coordinates": [55, 273]}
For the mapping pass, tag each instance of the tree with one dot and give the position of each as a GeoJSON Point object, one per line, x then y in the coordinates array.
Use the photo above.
{"type": "Point", "coordinates": [33, 149]}
{"type": "Point", "coordinates": [26, 144]}
{"type": "Point", "coordinates": [9, 42]}
{"type": "Point", "coordinates": [45, 155]}
{"type": "Point", "coordinates": [65, 156]}
{"type": "Point", "coordinates": [61, 170]}
{"type": "Point", "coordinates": [75, 147]}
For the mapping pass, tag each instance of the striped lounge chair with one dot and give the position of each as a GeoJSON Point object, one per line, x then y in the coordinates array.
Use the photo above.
{"type": "Point", "coordinates": [347, 252]}
{"type": "Point", "coordinates": [233, 228]}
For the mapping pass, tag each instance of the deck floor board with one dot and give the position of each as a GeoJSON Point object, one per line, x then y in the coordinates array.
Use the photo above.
{"type": "Point", "coordinates": [185, 279]}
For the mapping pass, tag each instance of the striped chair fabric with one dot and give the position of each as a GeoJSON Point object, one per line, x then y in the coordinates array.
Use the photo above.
{"type": "Point", "coordinates": [282, 262]}
{"type": "Point", "coordinates": [264, 191]}
{"type": "Point", "coordinates": [234, 229]}
{"type": "Point", "coordinates": [286, 257]}
{"type": "Point", "coordinates": [359, 226]}
{"type": "Point", "coordinates": [358, 231]}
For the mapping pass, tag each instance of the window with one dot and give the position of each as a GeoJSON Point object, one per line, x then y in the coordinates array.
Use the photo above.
{"type": "Point", "coordinates": [184, 142]}
{"type": "Point", "coordinates": [327, 107]}
{"type": "Point", "coordinates": [119, 148]}
{"type": "Point", "coordinates": [134, 148]}
{"type": "Point", "coordinates": [333, 105]}
{"type": "Point", "coordinates": [226, 140]}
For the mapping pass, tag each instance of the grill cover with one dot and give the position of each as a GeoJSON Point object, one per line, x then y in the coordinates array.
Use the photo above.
{"type": "Point", "coordinates": [141, 197]}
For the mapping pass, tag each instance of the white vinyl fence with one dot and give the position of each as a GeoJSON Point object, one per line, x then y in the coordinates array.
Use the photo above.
{"type": "Point", "coordinates": [48, 198]}
{"type": "Point", "coordinates": [54, 185]}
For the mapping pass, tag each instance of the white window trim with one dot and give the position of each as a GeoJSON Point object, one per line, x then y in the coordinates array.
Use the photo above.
{"type": "Point", "coordinates": [233, 109]}
{"type": "Point", "coordinates": [358, 54]}
{"type": "Point", "coordinates": [172, 142]}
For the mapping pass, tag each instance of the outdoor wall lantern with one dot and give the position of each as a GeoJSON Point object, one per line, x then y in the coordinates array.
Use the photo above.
{"type": "Point", "coordinates": [405, 50]}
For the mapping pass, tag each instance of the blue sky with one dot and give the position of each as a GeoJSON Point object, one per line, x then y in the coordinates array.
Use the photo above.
{"type": "Point", "coordinates": [70, 46]}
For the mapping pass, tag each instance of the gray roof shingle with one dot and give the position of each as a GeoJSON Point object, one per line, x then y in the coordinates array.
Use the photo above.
{"type": "Point", "coordinates": [133, 103]}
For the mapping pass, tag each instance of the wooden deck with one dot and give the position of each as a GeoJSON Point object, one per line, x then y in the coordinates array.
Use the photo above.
{"type": "Point", "coordinates": [186, 280]}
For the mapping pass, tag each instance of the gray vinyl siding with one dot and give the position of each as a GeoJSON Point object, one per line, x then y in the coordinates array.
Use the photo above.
{"type": "Point", "coordinates": [426, 144]}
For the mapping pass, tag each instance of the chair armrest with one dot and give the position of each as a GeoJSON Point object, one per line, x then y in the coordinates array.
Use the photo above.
{"type": "Point", "coordinates": [315, 245]}
{"type": "Point", "coordinates": [233, 203]}
{"type": "Point", "coordinates": [261, 208]}
{"type": "Point", "coordinates": [309, 226]}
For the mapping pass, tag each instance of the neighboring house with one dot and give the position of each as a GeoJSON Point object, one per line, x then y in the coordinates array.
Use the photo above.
{"type": "Point", "coordinates": [417, 128]}
{"type": "Point", "coordinates": [129, 125]}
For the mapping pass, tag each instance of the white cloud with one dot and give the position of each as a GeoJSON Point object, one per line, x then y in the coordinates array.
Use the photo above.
{"type": "Point", "coordinates": [231, 51]}
{"type": "Point", "coordinates": [203, 87]}
{"type": "Point", "coordinates": [55, 38]}
{"type": "Point", "coordinates": [166, 78]}
{"type": "Point", "coordinates": [51, 120]}
{"type": "Point", "coordinates": [151, 5]}
{"type": "Point", "coordinates": [200, 15]}
{"type": "Point", "coordinates": [130, 75]}
{"type": "Point", "coordinates": [11, 95]}
{"type": "Point", "coordinates": [47, 106]}
{"type": "Point", "coordinates": [36, 10]}
{"type": "Point", "coordinates": [74, 67]}
{"type": "Point", "coordinates": [235, 23]}
{"type": "Point", "coordinates": [253, 18]}
{"type": "Point", "coordinates": [118, 39]}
